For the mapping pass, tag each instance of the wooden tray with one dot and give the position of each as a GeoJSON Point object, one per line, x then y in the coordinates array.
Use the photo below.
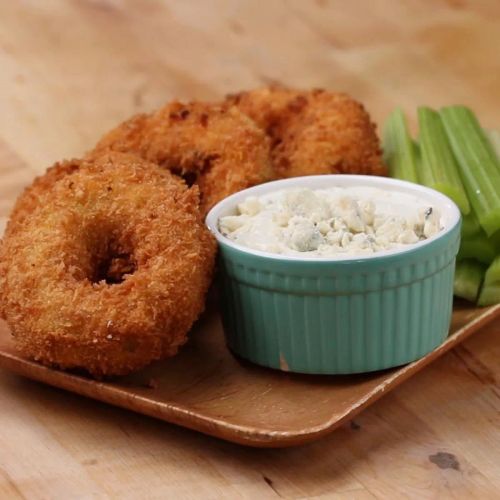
{"type": "Point", "coordinates": [207, 389]}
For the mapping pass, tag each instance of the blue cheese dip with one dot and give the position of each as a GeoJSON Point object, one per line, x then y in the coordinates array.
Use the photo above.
{"type": "Point", "coordinates": [331, 222]}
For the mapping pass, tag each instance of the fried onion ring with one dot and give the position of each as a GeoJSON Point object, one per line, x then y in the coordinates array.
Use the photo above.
{"type": "Point", "coordinates": [220, 150]}
{"type": "Point", "coordinates": [110, 269]}
{"type": "Point", "coordinates": [314, 132]}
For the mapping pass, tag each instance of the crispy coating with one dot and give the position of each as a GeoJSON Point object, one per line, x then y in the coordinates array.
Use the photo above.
{"type": "Point", "coordinates": [314, 132]}
{"type": "Point", "coordinates": [63, 289]}
{"type": "Point", "coordinates": [267, 107]}
{"type": "Point", "coordinates": [219, 149]}
{"type": "Point", "coordinates": [28, 200]}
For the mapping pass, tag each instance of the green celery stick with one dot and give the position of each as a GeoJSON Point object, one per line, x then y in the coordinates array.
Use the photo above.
{"type": "Point", "coordinates": [478, 164]}
{"type": "Point", "coordinates": [478, 247]}
{"type": "Point", "coordinates": [399, 150]}
{"type": "Point", "coordinates": [490, 292]}
{"type": "Point", "coordinates": [470, 226]}
{"type": "Point", "coordinates": [490, 295]}
{"type": "Point", "coordinates": [439, 169]}
{"type": "Point", "coordinates": [495, 239]}
{"type": "Point", "coordinates": [494, 137]}
{"type": "Point", "coordinates": [468, 277]}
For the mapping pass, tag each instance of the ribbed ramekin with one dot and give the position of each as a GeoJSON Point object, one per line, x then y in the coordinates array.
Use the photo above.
{"type": "Point", "coordinates": [343, 315]}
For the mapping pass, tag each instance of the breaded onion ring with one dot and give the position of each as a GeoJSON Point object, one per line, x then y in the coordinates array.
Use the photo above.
{"type": "Point", "coordinates": [220, 150]}
{"type": "Point", "coordinates": [62, 287]}
{"type": "Point", "coordinates": [314, 132]}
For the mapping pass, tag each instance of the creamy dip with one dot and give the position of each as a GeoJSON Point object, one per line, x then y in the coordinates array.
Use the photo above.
{"type": "Point", "coordinates": [331, 222]}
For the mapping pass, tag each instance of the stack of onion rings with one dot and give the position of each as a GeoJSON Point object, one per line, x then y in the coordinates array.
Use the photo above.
{"type": "Point", "coordinates": [106, 262]}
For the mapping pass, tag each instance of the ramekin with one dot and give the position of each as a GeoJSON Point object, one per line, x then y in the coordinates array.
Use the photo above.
{"type": "Point", "coordinates": [343, 315]}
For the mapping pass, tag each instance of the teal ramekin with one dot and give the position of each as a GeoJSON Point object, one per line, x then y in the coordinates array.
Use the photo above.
{"type": "Point", "coordinates": [338, 316]}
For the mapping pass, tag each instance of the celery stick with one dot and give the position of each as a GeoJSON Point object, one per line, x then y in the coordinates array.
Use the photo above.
{"type": "Point", "coordinates": [399, 151]}
{"type": "Point", "coordinates": [478, 164]}
{"type": "Point", "coordinates": [494, 137]}
{"type": "Point", "coordinates": [495, 239]}
{"type": "Point", "coordinates": [490, 292]}
{"type": "Point", "coordinates": [478, 247]}
{"type": "Point", "coordinates": [470, 226]}
{"type": "Point", "coordinates": [439, 169]}
{"type": "Point", "coordinates": [490, 295]}
{"type": "Point", "coordinates": [468, 277]}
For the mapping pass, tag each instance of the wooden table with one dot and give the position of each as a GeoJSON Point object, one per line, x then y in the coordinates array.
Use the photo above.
{"type": "Point", "coordinates": [71, 70]}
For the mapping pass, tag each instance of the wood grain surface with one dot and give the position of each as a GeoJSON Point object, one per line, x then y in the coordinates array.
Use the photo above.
{"type": "Point", "coordinates": [71, 69]}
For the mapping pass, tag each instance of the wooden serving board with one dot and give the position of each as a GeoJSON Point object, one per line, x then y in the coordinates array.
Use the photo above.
{"type": "Point", "coordinates": [207, 389]}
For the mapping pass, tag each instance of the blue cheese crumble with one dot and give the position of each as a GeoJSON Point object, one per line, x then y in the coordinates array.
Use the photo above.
{"type": "Point", "coordinates": [328, 222]}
